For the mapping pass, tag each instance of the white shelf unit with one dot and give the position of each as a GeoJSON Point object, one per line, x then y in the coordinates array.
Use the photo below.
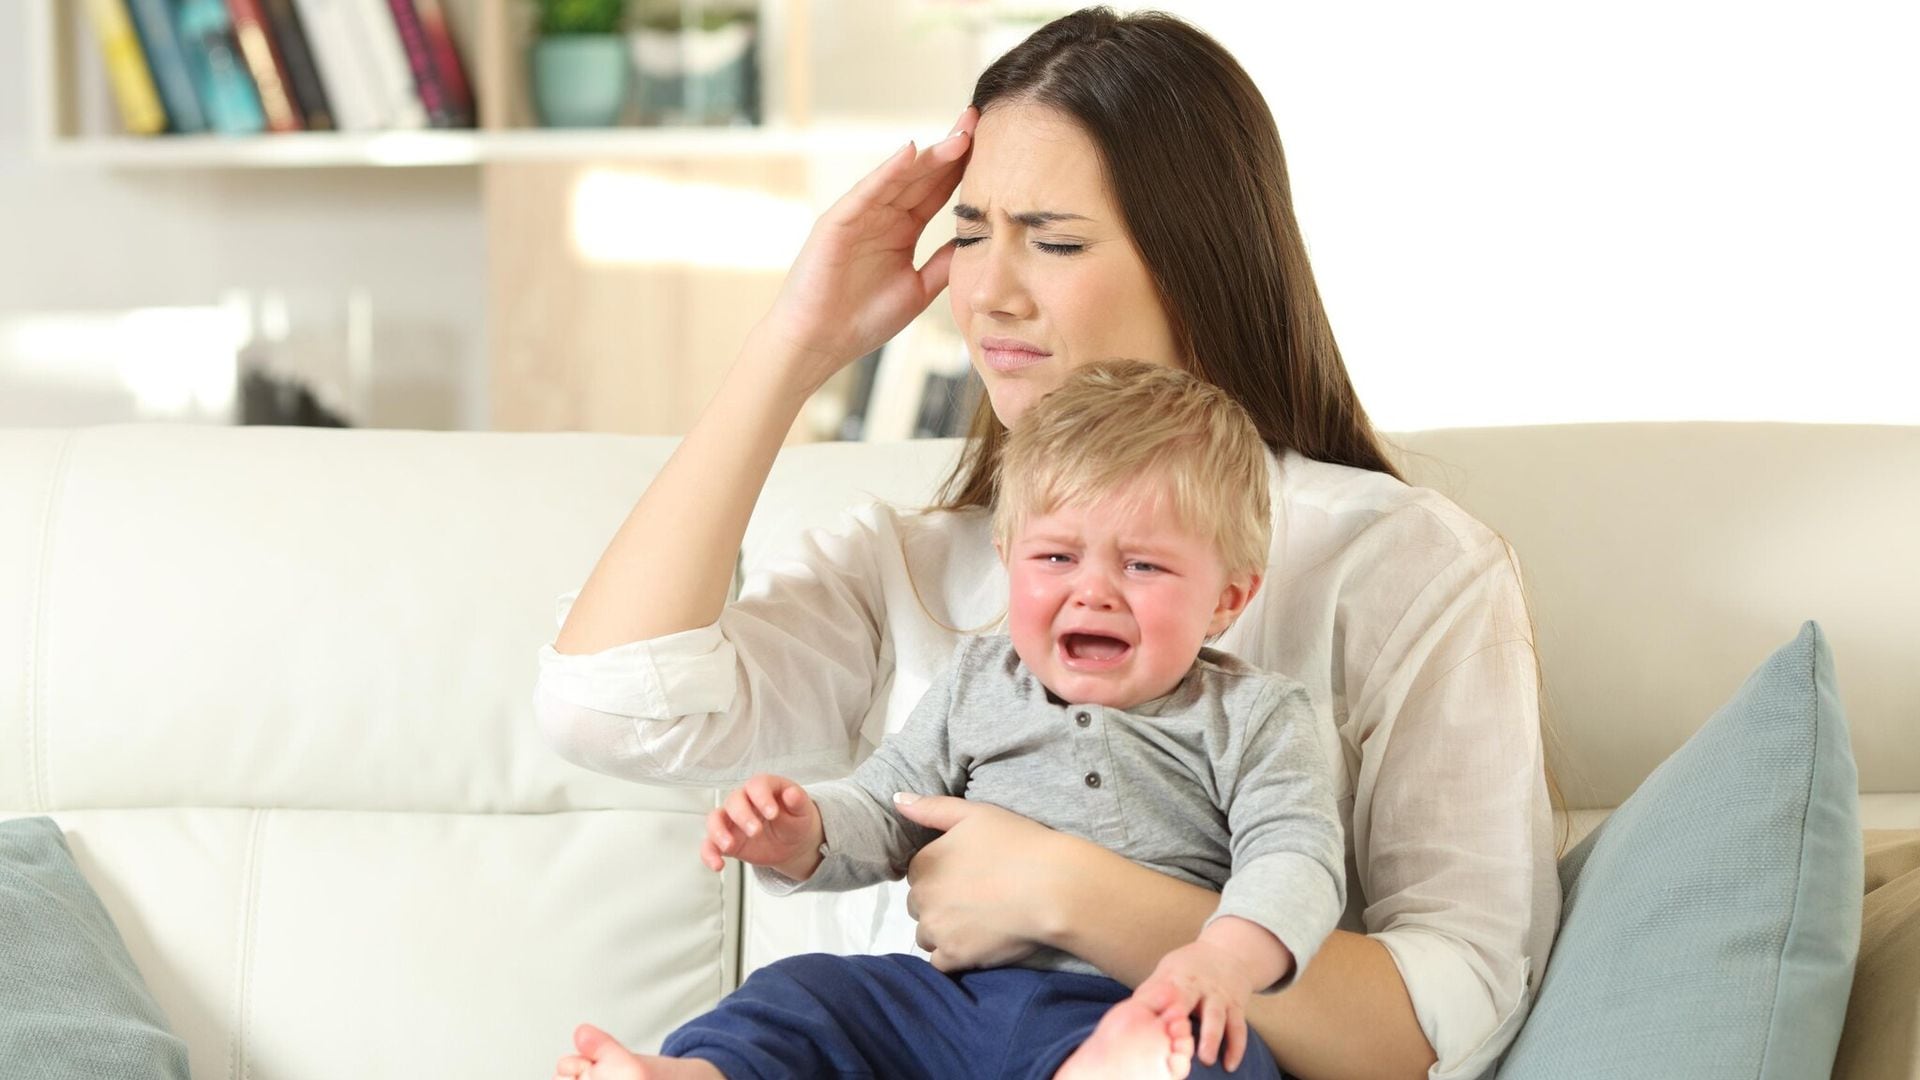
{"type": "Point", "coordinates": [419, 149]}
{"type": "Point", "coordinates": [76, 124]}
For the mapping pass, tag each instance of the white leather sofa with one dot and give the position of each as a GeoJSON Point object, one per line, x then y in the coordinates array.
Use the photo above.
{"type": "Point", "coordinates": [274, 685]}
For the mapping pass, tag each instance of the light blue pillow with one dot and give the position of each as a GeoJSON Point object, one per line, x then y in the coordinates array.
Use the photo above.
{"type": "Point", "coordinates": [72, 1005]}
{"type": "Point", "coordinates": [1710, 925]}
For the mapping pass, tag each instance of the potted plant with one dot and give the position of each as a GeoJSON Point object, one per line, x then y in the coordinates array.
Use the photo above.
{"type": "Point", "coordinates": [580, 63]}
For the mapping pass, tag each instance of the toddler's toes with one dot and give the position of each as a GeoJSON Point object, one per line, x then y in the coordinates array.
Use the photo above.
{"type": "Point", "coordinates": [1180, 1038]}
{"type": "Point", "coordinates": [605, 1054]}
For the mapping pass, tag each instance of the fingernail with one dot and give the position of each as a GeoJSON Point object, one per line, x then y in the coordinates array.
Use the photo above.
{"type": "Point", "coordinates": [905, 797]}
{"type": "Point", "coordinates": [769, 811]}
{"type": "Point", "coordinates": [753, 829]}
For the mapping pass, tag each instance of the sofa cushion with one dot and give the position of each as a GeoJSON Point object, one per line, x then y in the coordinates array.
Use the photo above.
{"type": "Point", "coordinates": [1710, 925]}
{"type": "Point", "coordinates": [1882, 1037]}
{"type": "Point", "coordinates": [72, 1005]}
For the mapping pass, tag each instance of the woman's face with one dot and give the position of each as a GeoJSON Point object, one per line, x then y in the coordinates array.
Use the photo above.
{"type": "Point", "coordinates": [1045, 276]}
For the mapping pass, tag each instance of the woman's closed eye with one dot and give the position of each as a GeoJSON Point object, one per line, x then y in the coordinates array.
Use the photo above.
{"type": "Point", "coordinates": [1049, 248]}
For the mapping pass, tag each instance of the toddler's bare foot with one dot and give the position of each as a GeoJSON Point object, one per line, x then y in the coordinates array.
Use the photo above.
{"type": "Point", "coordinates": [601, 1057]}
{"type": "Point", "coordinates": [1131, 1042]}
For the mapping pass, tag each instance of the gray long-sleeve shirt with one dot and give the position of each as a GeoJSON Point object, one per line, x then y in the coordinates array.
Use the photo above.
{"type": "Point", "coordinates": [1221, 783]}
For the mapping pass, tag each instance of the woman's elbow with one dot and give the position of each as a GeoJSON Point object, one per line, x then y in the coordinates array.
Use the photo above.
{"type": "Point", "coordinates": [591, 739]}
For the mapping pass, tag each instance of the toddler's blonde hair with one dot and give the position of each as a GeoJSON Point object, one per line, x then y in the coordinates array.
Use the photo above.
{"type": "Point", "coordinates": [1134, 431]}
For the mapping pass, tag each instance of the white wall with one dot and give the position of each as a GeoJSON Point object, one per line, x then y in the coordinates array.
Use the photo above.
{"type": "Point", "coordinates": [86, 239]}
{"type": "Point", "coordinates": [1525, 212]}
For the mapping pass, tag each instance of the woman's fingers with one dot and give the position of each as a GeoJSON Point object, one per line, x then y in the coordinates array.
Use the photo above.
{"type": "Point", "coordinates": [936, 272]}
{"type": "Point", "coordinates": [927, 195]}
{"type": "Point", "coordinates": [904, 179]}
{"type": "Point", "coordinates": [943, 165]}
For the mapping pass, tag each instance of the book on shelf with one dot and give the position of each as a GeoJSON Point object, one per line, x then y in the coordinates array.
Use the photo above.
{"type": "Point", "coordinates": [400, 104]}
{"type": "Point", "coordinates": [248, 66]}
{"type": "Point", "coordinates": [269, 70]}
{"type": "Point", "coordinates": [345, 69]}
{"type": "Point", "coordinates": [219, 73]}
{"type": "Point", "coordinates": [160, 39]}
{"type": "Point", "coordinates": [132, 80]}
{"type": "Point", "coordinates": [429, 46]}
{"type": "Point", "coordinates": [446, 61]}
{"type": "Point", "coordinates": [303, 77]}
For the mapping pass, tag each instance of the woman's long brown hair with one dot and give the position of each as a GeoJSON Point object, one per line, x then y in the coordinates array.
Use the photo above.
{"type": "Point", "coordinates": [1190, 152]}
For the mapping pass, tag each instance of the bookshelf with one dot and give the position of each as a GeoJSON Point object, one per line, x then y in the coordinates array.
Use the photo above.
{"type": "Point", "coordinates": [76, 123]}
{"type": "Point", "coordinates": [579, 336]}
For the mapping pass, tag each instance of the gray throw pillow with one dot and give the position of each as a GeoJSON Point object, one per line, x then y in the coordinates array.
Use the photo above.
{"type": "Point", "coordinates": [72, 1005]}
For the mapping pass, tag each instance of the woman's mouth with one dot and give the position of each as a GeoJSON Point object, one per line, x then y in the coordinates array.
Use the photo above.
{"type": "Point", "coordinates": [1092, 652]}
{"type": "Point", "coordinates": [1006, 355]}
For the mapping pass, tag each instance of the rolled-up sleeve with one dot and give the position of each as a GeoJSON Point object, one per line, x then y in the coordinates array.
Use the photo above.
{"type": "Point", "coordinates": [1453, 828]}
{"type": "Point", "coordinates": [780, 683]}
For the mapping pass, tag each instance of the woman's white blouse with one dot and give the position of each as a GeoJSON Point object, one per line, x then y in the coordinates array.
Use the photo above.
{"type": "Point", "coordinates": [1402, 615]}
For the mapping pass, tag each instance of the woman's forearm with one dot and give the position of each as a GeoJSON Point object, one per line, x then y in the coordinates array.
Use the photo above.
{"type": "Point", "coordinates": [1347, 1016]}
{"type": "Point", "coordinates": [670, 565]}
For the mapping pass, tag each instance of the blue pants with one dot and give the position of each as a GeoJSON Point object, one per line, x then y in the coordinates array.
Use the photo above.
{"type": "Point", "coordinates": [895, 1017]}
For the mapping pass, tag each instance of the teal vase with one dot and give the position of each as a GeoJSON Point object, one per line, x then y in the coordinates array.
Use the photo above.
{"type": "Point", "coordinates": [580, 80]}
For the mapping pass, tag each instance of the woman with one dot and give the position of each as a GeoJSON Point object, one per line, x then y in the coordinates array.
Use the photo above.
{"type": "Point", "coordinates": [1121, 192]}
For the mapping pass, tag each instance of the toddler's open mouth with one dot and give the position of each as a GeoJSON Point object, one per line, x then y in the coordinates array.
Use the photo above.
{"type": "Point", "coordinates": [1092, 652]}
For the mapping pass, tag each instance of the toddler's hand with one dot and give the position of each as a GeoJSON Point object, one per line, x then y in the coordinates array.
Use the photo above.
{"type": "Point", "coordinates": [1203, 975]}
{"type": "Point", "coordinates": [768, 821]}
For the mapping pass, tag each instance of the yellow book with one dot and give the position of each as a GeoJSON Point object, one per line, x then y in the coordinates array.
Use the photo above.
{"type": "Point", "coordinates": [133, 87]}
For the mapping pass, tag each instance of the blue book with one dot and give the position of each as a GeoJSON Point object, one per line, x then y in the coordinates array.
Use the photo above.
{"type": "Point", "coordinates": [153, 21]}
{"type": "Point", "coordinates": [218, 71]}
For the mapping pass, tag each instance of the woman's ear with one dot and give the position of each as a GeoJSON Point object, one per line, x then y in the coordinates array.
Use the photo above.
{"type": "Point", "coordinates": [1234, 598]}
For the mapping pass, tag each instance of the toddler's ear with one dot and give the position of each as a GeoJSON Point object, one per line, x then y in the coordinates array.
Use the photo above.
{"type": "Point", "coordinates": [1234, 598]}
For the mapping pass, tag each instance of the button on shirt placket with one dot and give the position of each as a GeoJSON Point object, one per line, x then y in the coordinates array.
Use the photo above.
{"type": "Point", "coordinates": [1085, 731]}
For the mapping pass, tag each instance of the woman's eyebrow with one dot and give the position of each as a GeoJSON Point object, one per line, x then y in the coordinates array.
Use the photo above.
{"type": "Point", "coordinates": [1033, 218]}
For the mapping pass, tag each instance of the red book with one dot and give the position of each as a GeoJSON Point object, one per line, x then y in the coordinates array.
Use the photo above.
{"type": "Point", "coordinates": [426, 75]}
{"type": "Point", "coordinates": [265, 64]}
{"type": "Point", "coordinates": [446, 61]}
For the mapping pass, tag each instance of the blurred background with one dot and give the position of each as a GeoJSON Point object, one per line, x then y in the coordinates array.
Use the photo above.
{"type": "Point", "coordinates": [564, 215]}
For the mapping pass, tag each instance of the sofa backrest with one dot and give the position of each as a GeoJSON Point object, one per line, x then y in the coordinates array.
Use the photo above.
{"type": "Point", "coordinates": [1664, 562]}
{"type": "Point", "coordinates": [274, 684]}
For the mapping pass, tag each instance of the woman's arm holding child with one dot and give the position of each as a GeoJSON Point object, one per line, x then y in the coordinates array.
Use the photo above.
{"type": "Point", "coordinates": [1011, 883]}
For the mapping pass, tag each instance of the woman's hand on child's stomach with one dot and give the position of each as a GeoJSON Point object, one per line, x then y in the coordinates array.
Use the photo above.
{"type": "Point", "coordinates": [1205, 977]}
{"type": "Point", "coordinates": [768, 821]}
{"type": "Point", "coordinates": [977, 891]}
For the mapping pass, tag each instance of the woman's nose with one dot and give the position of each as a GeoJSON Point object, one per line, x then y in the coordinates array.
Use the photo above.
{"type": "Point", "coordinates": [997, 287]}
